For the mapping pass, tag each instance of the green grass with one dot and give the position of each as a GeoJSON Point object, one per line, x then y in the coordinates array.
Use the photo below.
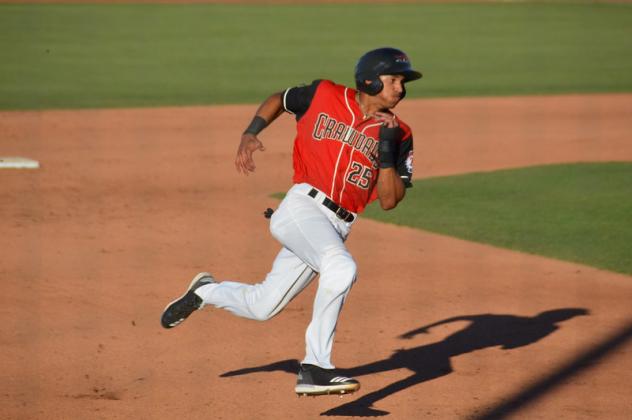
{"type": "Point", "coordinates": [105, 55]}
{"type": "Point", "coordinates": [578, 212]}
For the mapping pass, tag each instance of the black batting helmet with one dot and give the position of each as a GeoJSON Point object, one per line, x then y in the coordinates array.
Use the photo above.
{"type": "Point", "coordinates": [382, 61]}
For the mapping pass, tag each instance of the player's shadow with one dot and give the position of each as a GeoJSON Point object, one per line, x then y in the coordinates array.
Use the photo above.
{"type": "Point", "coordinates": [431, 361]}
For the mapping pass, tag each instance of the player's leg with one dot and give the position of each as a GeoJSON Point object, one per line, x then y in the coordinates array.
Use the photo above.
{"type": "Point", "coordinates": [317, 236]}
{"type": "Point", "coordinates": [338, 272]}
{"type": "Point", "coordinates": [289, 275]}
{"type": "Point", "coordinates": [317, 375]}
{"type": "Point", "coordinates": [310, 242]}
{"type": "Point", "coordinates": [261, 301]}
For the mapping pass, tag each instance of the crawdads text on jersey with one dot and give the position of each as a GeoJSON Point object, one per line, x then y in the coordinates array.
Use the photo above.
{"type": "Point", "coordinates": [336, 148]}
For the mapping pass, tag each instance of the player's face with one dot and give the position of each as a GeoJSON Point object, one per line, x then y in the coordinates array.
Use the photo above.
{"type": "Point", "coordinates": [393, 90]}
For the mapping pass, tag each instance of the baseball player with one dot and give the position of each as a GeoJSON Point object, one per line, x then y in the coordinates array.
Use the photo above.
{"type": "Point", "coordinates": [349, 150]}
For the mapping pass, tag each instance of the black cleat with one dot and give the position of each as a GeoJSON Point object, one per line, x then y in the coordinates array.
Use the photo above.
{"type": "Point", "coordinates": [314, 380]}
{"type": "Point", "coordinates": [178, 310]}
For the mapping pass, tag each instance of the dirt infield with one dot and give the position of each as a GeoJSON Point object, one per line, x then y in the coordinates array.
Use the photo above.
{"type": "Point", "coordinates": [129, 204]}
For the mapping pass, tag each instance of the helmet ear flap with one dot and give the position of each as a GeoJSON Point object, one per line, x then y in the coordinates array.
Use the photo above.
{"type": "Point", "coordinates": [375, 86]}
{"type": "Point", "coordinates": [372, 87]}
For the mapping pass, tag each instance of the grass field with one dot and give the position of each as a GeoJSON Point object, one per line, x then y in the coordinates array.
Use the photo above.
{"type": "Point", "coordinates": [100, 55]}
{"type": "Point", "coordinates": [577, 212]}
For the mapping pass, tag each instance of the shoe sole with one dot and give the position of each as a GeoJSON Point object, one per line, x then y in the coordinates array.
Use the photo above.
{"type": "Point", "coordinates": [326, 389]}
{"type": "Point", "coordinates": [197, 278]}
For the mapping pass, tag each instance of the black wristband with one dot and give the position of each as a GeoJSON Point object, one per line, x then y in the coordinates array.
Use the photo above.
{"type": "Point", "coordinates": [256, 125]}
{"type": "Point", "coordinates": [389, 138]}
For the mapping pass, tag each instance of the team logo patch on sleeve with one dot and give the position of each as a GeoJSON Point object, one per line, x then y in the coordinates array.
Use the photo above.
{"type": "Point", "coordinates": [409, 162]}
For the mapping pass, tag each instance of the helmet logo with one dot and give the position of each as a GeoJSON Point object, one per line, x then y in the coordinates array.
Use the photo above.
{"type": "Point", "coordinates": [401, 58]}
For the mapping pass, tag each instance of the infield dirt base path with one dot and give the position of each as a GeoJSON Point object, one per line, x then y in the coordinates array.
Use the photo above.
{"type": "Point", "coordinates": [128, 205]}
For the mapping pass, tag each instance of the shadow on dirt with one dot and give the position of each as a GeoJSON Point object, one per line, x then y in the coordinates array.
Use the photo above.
{"type": "Point", "coordinates": [431, 361]}
{"type": "Point", "coordinates": [584, 361]}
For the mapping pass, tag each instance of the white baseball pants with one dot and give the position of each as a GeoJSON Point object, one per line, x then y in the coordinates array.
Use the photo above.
{"type": "Point", "coordinates": [313, 242]}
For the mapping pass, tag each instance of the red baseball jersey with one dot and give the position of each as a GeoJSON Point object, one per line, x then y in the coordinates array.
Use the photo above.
{"type": "Point", "coordinates": [336, 148]}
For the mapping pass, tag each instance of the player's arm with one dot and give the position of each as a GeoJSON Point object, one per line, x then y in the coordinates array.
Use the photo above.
{"type": "Point", "coordinates": [390, 186]}
{"type": "Point", "coordinates": [295, 100]}
{"type": "Point", "coordinates": [268, 111]}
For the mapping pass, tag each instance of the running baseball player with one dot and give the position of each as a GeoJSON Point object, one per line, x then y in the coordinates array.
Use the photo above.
{"type": "Point", "coordinates": [349, 150]}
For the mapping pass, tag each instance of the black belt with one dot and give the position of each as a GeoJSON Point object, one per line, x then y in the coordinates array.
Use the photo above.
{"type": "Point", "coordinates": [341, 212]}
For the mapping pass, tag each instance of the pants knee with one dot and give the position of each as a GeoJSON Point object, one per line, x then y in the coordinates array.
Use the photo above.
{"type": "Point", "coordinates": [262, 310]}
{"type": "Point", "coordinates": [339, 270]}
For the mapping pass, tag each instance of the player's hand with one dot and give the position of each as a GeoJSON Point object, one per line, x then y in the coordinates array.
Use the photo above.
{"type": "Point", "coordinates": [388, 119]}
{"type": "Point", "coordinates": [248, 145]}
